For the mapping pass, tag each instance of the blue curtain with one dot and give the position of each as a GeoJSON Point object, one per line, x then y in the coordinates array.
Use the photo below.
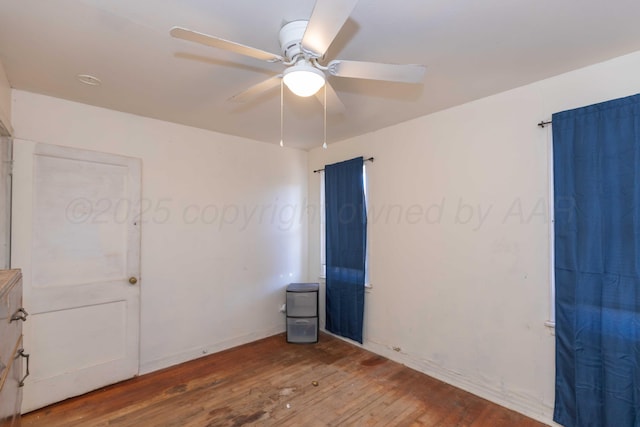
{"type": "Point", "coordinates": [596, 153]}
{"type": "Point", "coordinates": [346, 239]}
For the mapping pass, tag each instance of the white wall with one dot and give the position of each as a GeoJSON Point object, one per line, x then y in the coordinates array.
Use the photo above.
{"type": "Point", "coordinates": [459, 236]}
{"type": "Point", "coordinates": [213, 270]}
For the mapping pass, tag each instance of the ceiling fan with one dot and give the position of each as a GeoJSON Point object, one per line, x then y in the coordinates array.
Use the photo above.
{"type": "Point", "coordinates": [303, 45]}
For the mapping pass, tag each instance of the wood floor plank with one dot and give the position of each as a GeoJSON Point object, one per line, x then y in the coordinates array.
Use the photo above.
{"type": "Point", "coordinates": [272, 383]}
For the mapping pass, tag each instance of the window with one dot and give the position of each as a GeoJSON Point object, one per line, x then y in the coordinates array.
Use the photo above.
{"type": "Point", "coordinates": [323, 232]}
{"type": "Point", "coordinates": [551, 323]}
{"type": "Point", "coordinates": [596, 264]}
{"type": "Point", "coordinates": [345, 247]}
{"type": "Point", "coordinates": [323, 235]}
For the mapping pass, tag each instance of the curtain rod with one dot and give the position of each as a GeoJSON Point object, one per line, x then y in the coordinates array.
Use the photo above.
{"type": "Point", "coordinates": [370, 159]}
{"type": "Point", "coordinates": [543, 123]}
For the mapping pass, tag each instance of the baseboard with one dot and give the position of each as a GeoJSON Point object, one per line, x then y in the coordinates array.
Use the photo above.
{"type": "Point", "coordinates": [526, 406]}
{"type": "Point", "coordinates": [195, 353]}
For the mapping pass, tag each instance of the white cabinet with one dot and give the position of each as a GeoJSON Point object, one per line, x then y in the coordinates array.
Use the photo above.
{"type": "Point", "coordinates": [12, 315]}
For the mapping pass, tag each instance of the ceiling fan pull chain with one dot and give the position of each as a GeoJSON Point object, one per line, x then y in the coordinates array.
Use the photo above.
{"type": "Point", "coordinates": [281, 113]}
{"type": "Point", "coordinates": [324, 144]}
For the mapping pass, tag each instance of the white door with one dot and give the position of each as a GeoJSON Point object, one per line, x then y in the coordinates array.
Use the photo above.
{"type": "Point", "coordinates": [76, 235]}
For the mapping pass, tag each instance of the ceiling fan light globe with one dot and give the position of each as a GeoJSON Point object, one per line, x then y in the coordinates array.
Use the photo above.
{"type": "Point", "coordinates": [303, 80]}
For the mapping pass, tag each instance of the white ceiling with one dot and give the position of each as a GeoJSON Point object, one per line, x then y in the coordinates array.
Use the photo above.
{"type": "Point", "coordinates": [471, 49]}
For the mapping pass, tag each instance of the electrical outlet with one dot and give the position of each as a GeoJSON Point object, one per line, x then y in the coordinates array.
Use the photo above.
{"type": "Point", "coordinates": [283, 308]}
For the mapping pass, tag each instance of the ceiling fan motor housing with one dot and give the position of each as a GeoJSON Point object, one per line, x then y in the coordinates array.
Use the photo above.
{"type": "Point", "coordinates": [290, 37]}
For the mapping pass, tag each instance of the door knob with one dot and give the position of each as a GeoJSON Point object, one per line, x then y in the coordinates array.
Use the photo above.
{"type": "Point", "coordinates": [133, 280]}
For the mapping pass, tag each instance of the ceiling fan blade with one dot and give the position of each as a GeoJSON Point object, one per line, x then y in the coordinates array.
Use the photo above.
{"type": "Point", "coordinates": [257, 89]}
{"type": "Point", "coordinates": [334, 104]}
{"type": "Point", "coordinates": [377, 71]}
{"type": "Point", "coordinates": [327, 18]}
{"type": "Point", "coordinates": [194, 36]}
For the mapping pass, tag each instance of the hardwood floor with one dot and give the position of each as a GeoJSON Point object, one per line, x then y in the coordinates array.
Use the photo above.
{"type": "Point", "coordinates": [272, 383]}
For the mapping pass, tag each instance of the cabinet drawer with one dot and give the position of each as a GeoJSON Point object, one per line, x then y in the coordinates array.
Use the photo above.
{"type": "Point", "coordinates": [302, 330]}
{"type": "Point", "coordinates": [302, 304]}
{"type": "Point", "coordinates": [10, 332]}
{"type": "Point", "coordinates": [10, 391]}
